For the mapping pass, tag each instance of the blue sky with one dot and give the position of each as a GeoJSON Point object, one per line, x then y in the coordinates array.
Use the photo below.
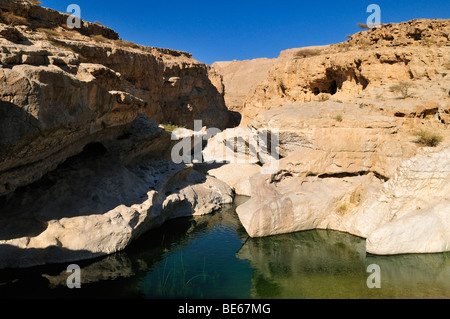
{"type": "Point", "coordinates": [227, 30]}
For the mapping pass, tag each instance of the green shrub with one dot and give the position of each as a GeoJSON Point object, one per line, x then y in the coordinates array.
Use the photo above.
{"type": "Point", "coordinates": [170, 127]}
{"type": "Point", "coordinates": [339, 118]}
{"type": "Point", "coordinates": [428, 138]}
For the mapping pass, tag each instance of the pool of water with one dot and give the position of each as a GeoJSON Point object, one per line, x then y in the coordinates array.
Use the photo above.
{"type": "Point", "coordinates": [213, 257]}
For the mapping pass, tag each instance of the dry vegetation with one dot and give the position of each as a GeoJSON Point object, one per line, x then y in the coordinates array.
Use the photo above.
{"type": "Point", "coordinates": [126, 44]}
{"type": "Point", "coordinates": [49, 33]}
{"type": "Point", "coordinates": [35, 2]}
{"type": "Point", "coordinates": [339, 118]}
{"type": "Point", "coordinates": [402, 88]}
{"type": "Point", "coordinates": [99, 38]}
{"type": "Point", "coordinates": [12, 19]}
{"type": "Point", "coordinates": [427, 138]}
{"type": "Point", "coordinates": [307, 52]}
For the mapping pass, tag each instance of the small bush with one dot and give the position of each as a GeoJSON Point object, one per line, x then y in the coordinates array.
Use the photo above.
{"type": "Point", "coordinates": [99, 38]}
{"type": "Point", "coordinates": [170, 127]}
{"type": "Point", "coordinates": [342, 209]}
{"type": "Point", "coordinates": [363, 26]}
{"type": "Point", "coordinates": [126, 44]}
{"type": "Point", "coordinates": [402, 88]}
{"type": "Point", "coordinates": [49, 33]}
{"type": "Point", "coordinates": [35, 2]}
{"type": "Point", "coordinates": [307, 52]}
{"type": "Point", "coordinates": [339, 118]}
{"type": "Point", "coordinates": [12, 19]}
{"type": "Point", "coordinates": [323, 97]}
{"type": "Point", "coordinates": [427, 138]}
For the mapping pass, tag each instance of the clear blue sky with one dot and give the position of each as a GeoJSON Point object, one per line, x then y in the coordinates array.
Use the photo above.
{"type": "Point", "coordinates": [228, 30]}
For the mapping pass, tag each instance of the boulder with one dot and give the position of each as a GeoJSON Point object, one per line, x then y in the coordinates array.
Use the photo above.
{"type": "Point", "coordinates": [237, 176]}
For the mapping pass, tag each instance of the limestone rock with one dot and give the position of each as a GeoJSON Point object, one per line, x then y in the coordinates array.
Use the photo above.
{"type": "Point", "coordinates": [422, 231]}
{"type": "Point", "coordinates": [237, 176]}
{"type": "Point", "coordinates": [62, 89]}
{"type": "Point", "coordinates": [99, 201]}
{"type": "Point", "coordinates": [242, 145]}
{"type": "Point", "coordinates": [240, 77]}
{"type": "Point", "coordinates": [336, 138]}
{"type": "Point", "coordinates": [298, 204]}
{"type": "Point", "coordinates": [369, 59]}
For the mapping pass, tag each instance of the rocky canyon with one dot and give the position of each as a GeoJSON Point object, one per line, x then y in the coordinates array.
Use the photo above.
{"type": "Point", "coordinates": [363, 133]}
{"type": "Point", "coordinates": [86, 120]}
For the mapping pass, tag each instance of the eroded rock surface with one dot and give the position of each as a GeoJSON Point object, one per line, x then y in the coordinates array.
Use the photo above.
{"type": "Point", "coordinates": [408, 51]}
{"type": "Point", "coordinates": [61, 89]}
{"type": "Point", "coordinates": [99, 201]}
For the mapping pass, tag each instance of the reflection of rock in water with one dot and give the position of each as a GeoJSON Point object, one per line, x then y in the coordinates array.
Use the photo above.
{"type": "Point", "coordinates": [326, 264]}
{"type": "Point", "coordinates": [304, 264]}
{"type": "Point", "coordinates": [108, 268]}
{"type": "Point", "coordinates": [420, 275]}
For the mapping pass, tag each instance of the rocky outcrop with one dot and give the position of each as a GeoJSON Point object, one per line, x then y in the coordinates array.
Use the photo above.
{"type": "Point", "coordinates": [237, 176]}
{"type": "Point", "coordinates": [346, 118]}
{"type": "Point", "coordinates": [84, 167]}
{"type": "Point", "coordinates": [62, 89]}
{"type": "Point", "coordinates": [101, 200]}
{"type": "Point", "coordinates": [241, 77]}
{"type": "Point", "coordinates": [363, 173]}
{"type": "Point", "coordinates": [412, 50]}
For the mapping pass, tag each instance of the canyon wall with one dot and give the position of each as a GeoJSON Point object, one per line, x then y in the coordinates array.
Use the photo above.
{"type": "Point", "coordinates": [407, 51]}
{"type": "Point", "coordinates": [62, 88]}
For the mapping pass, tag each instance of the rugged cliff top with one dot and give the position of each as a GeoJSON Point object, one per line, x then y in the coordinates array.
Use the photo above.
{"type": "Point", "coordinates": [389, 42]}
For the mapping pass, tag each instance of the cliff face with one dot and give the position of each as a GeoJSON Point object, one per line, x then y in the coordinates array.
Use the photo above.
{"type": "Point", "coordinates": [241, 77]}
{"type": "Point", "coordinates": [346, 118]}
{"type": "Point", "coordinates": [409, 51]}
{"type": "Point", "coordinates": [61, 89]}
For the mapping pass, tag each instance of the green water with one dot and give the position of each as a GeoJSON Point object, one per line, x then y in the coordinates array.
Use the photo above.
{"type": "Point", "coordinates": [212, 257]}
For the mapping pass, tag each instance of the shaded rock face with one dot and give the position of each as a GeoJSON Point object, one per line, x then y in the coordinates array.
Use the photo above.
{"type": "Point", "coordinates": [98, 202]}
{"type": "Point", "coordinates": [61, 89]}
{"type": "Point", "coordinates": [412, 50]}
{"type": "Point", "coordinates": [85, 168]}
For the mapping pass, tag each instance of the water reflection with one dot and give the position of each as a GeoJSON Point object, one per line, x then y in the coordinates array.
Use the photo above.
{"type": "Point", "coordinates": [213, 257]}
{"type": "Point", "coordinates": [327, 264]}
